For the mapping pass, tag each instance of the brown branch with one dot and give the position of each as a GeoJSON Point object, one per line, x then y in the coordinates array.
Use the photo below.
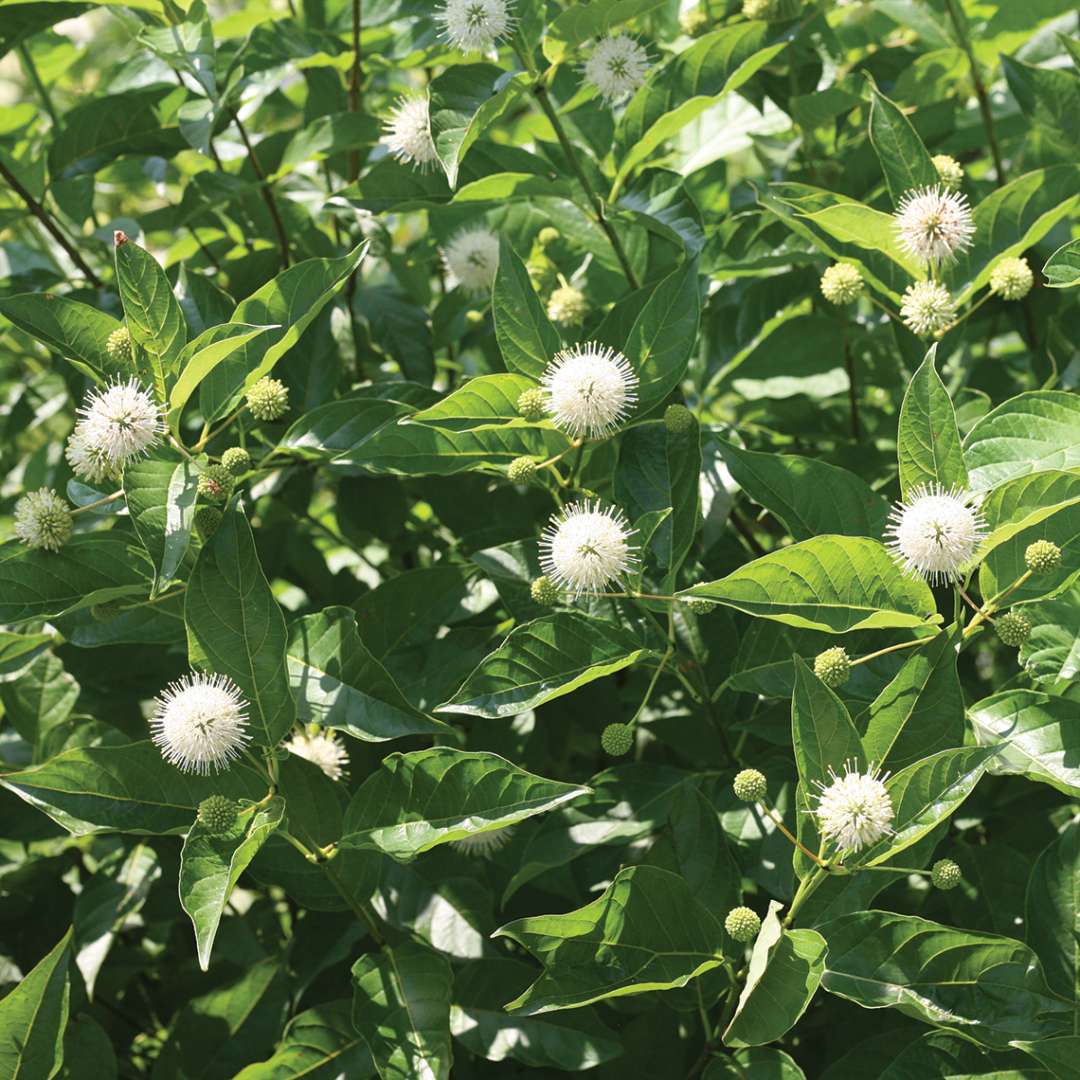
{"type": "Point", "coordinates": [267, 192]}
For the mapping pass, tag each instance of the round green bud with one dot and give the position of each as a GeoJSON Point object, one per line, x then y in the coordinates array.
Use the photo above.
{"type": "Point", "coordinates": [118, 346]}
{"type": "Point", "coordinates": [742, 924]}
{"type": "Point", "coordinates": [833, 667]}
{"type": "Point", "coordinates": [1011, 279]}
{"type": "Point", "coordinates": [547, 235]}
{"type": "Point", "coordinates": [945, 874]}
{"type": "Point", "coordinates": [699, 607]}
{"type": "Point", "coordinates": [678, 419]}
{"type": "Point", "coordinates": [217, 814]}
{"type": "Point", "coordinates": [520, 470]}
{"type": "Point", "coordinates": [207, 519]}
{"type": "Point", "coordinates": [616, 739]}
{"type": "Point", "coordinates": [215, 483]}
{"type": "Point", "coordinates": [474, 317]}
{"type": "Point", "coordinates": [531, 405]}
{"type": "Point", "coordinates": [694, 22]}
{"type": "Point", "coordinates": [236, 460]}
{"type": "Point", "coordinates": [1013, 628]}
{"type": "Point", "coordinates": [1042, 556]}
{"type": "Point", "coordinates": [949, 170]}
{"type": "Point", "coordinates": [567, 306]}
{"type": "Point", "coordinates": [544, 591]}
{"type": "Point", "coordinates": [750, 786]}
{"type": "Point", "coordinates": [760, 9]}
{"type": "Point", "coordinates": [841, 283]}
{"type": "Point", "coordinates": [268, 399]}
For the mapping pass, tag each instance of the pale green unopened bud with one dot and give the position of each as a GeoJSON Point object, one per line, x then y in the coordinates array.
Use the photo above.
{"type": "Point", "coordinates": [945, 874]}
{"type": "Point", "coordinates": [742, 924]}
{"type": "Point", "coordinates": [1011, 279]}
{"type": "Point", "coordinates": [567, 306]}
{"type": "Point", "coordinates": [268, 399]}
{"type": "Point", "coordinates": [531, 405]}
{"type": "Point", "coordinates": [520, 470]}
{"type": "Point", "coordinates": [750, 786]}
{"type": "Point", "coordinates": [215, 483]}
{"type": "Point", "coordinates": [616, 739]}
{"type": "Point", "coordinates": [678, 419]}
{"type": "Point", "coordinates": [950, 170]}
{"type": "Point", "coordinates": [43, 520]}
{"type": "Point", "coordinates": [694, 22]}
{"type": "Point", "coordinates": [833, 667]}
{"type": "Point", "coordinates": [1042, 556]}
{"type": "Point", "coordinates": [237, 460]}
{"type": "Point", "coordinates": [841, 283]}
{"type": "Point", "coordinates": [1013, 628]}
{"type": "Point", "coordinates": [118, 346]}
{"type": "Point", "coordinates": [544, 591]}
{"type": "Point", "coordinates": [760, 9]}
{"type": "Point", "coordinates": [217, 814]}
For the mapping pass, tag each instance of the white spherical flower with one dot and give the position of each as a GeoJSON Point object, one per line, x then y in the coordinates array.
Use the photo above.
{"type": "Point", "coordinates": [484, 844]}
{"type": "Point", "coordinates": [585, 548]}
{"type": "Point", "coordinates": [200, 723]}
{"type": "Point", "coordinates": [475, 25]}
{"type": "Point", "coordinates": [43, 520]}
{"type": "Point", "coordinates": [471, 259]}
{"type": "Point", "coordinates": [119, 423]}
{"type": "Point", "coordinates": [854, 810]}
{"type": "Point", "coordinates": [933, 224]}
{"type": "Point", "coordinates": [589, 390]}
{"type": "Point", "coordinates": [323, 749]}
{"type": "Point", "coordinates": [927, 308]}
{"type": "Point", "coordinates": [88, 460]}
{"type": "Point", "coordinates": [408, 133]}
{"type": "Point", "coordinates": [935, 532]}
{"type": "Point", "coordinates": [617, 67]}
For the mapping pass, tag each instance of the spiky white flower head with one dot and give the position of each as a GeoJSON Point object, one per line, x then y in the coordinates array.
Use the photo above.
{"type": "Point", "coordinates": [950, 170]}
{"type": "Point", "coordinates": [87, 459]}
{"type": "Point", "coordinates": [471, 259]}
{"type": "Point", "coordinates": [1011, 279]}
{"type": "Point", "coordinates": [475, 25]}
{"type": "Point", "coordinates": [586, 547]}
{"type": "Point", "coordinates": [927, 308]}
{"type": "Point", "coordinates": [854, 810]}
{"type": "Point", "coordinates": [590, 389]}
{"type": "Point", "coordinates": [933, 224]}
{"type": "Point", "coordinates": [617, 66]}
{"type": "Point", "coordinates": [119, 423]}
{"type": "Point", "coordinates": [200, 723]}
{"type": "Point", "coordinates": [841, 283]}
{"type": "Point", "coordinates": [408, 133]}
{"type": "Point", "coordinates": [322, 748]}
{"type": "Point", "coordinates": [934, 532]}
{"type": "Point", "coordinates": [43, 520]}
{"type": "Point", "coordinates": [484, 844]}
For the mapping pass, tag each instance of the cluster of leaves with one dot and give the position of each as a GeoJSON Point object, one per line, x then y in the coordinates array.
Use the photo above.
{"type": "Point", "coordinates": [210, 177]}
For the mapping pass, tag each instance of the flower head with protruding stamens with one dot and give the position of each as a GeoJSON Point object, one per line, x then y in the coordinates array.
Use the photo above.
{"type": "Point", "coordinates": [483, 844]}
{"type": "Point", "coordinates": [934, 532]}
{"type": "Point", "coordinates": [475, 25]}
{"type": "Point", "coordinates": [933, 224]}
{"type": "Point", "coordinates": [471, 259]}
{"type": "Point", "coordinates": [586, 548]}
{"type": "Point", "coordinates": [200, 723]}
{"type": "Point", "coordinates": [115, 425]}
{"type": "Point", "coordinates": [43, 520]}
{"type": "Point", "coordinates": [927, 308]}
{"type": "Point", "coordinates": [617, 66]}
{"type": "Point", "coordinates": [589, 389]}
{"type": "Point", "coordinates": [408, 133]}
{"type": "Point", "coordinates": [854, 810]}
{"type": "Point", "coordinates": [322, 748]}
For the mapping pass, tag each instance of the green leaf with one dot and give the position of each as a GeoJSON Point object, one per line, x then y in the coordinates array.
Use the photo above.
{"type": "Point", "coordinates": [39, 700]}
{"type": "Point", "coordinates": [89, 569]}
{"type": "Point", "coordinates": [129, 788]}
{"type": "Point", "coordinates": [236, 628]}
{"type": "Point", "coordinates": [754, 1063]}
{"type": "Point", "coordinates": [401, 1006]}
{"type": "Point", "coordinates": [337, 683]}
{"type": "Point", "coordinates": [810, 496]}
{"type": "Point", "coordinates": [575, 26]}
{"type": "Point", "coordinates": [1052, 912]}
{"type": "Point", "coordinates": [543, 660]}
{"type": "Point", "coordinates": [154, 319]}
{"type": "Point", "coordinates": [1062, 269]}
{"type": "Point", "coordinates": [417, 801]}
{"type": "Point", "coordinates": [904, 159]}
{"type": "Point", "coordinates": [483, 400]}
{"type": "Point", "coordinates": [1051, 654]}
{"type": "Point", "coordinates": [823, 736]}
{"type": "Point", "coordinates": [852, 222]}
{"type": "Point", "coordinates": [160, 491]}
{"type": "Point", "coordinates": [833, 583]}
{"type": "Point", "coordinates": [33, 1017]}
{"type": "Point", "coordinates": [211, 865]}
{"type": "Point", "coordinates": [1059, 1055]}
{"type": "Point", "coordinates": [1050, 99]}
{"type": "Point", "coordinates": [783, 975]}
{"type": "Point", "coordinates": [526, 338]}
{"type": "Point", "coordinates": [928, 442]}
{"type": "Point", "coordinates": [920, 712]}
{"type": "Point", "coordinates": [985, 987]}
{"type": "Point", "coordinates": [646, 932]}
{"type": "Point", "coordinates": [1029, 433]}
{"type": "Point", "coordinates": [76, 331]}
{"type": "Point", "coordinates": [342, 426]}
{"type": "Point", "coordinates": [1035, 735]}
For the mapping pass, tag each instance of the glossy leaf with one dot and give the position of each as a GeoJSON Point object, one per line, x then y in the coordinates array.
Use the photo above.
{"type": "Point", "coordinates": [526, 338]}
{"type": "Point", "coordinates": [160, 491]}
{"type": "Point", "coordinates": [929, 441]}
{"type": "Point", "coordinates": [1062, 269]}
{"type": "Point", "coordinates": [904, 159]}
{"type": "Point", "coordinates": [1052, 911]}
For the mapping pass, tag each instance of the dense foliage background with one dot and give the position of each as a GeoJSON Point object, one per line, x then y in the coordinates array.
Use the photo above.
{"type": "Point", "coordinates": [216, 179]}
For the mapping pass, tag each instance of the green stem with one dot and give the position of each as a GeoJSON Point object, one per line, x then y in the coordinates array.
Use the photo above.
{"type": "Point", "coordinates": [892, 648]}
{"type": "Point", "coordinates": [778, 821]}
{"type": "Point", "coordinates": [39, 86]}
{"type": "Point", "coordinates": [98, 502]}
{"type": "Point", "coordinates": [992, 604]}
{"type": "Point", "coordinates": [806, 889]}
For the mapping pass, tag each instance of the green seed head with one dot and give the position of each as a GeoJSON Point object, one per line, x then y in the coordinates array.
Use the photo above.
{"type": "Point", "coordinates": [531, 405]}
{"type": "Point", "coordinates": [841, 283]}
{"type": "Point", "coordinates": [950, 170]}
{"type": "Point", "coordinates": [678, 419]}
{"type": "Point", "coordinates": [945, 874]}
{"type": "Point", "coordinates": [742, 924]}
{"type": "Point", "coordinates": [217, 814]}
{"type": "Point", "coordinates": [750, 786]}
{"type": "Point", "coordinates": [118, 346]}
{"type": "Point", "coordinates": [520, 470]}
{"type": "Point", "coordinates": [833, 667]}
{"type": "Point", "coordinates": [207, 519]}
{"type": "Point", "coordinates": [699, 607]}
{"type": "Point", "coordinates": [268, 399]}
{"type": "Point", "coordinates": [236, 460]}
{"type": "Point", "coordinates": [544, 591]}
{"type": "Point", "coordinates": [1013, 628]}
{"type": "Point", "coordinates": [1011, 279]}
{"type": "Point", "coordinates": [1042, 557]}
{"type": "Point", "coordinates": [215, 483]}
{"type": "Point", "coordinates": [616, 739]}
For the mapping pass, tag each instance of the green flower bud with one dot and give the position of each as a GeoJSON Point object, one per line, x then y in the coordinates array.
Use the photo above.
{"type": "Point", "coordinates": [43, 520]}
{"type": "Point", "coordinates": [678, 419]}
{"type": "Point", "coordinates": [1011, 279]}
{"type": "Point", "coordinates": [950, 170]}
{"type": "Point", "coordinates": [945, 874]}
{"type": "Point", "coordinates": [474, 317]}
{"type": "Point", "coordinates": [567, 306]}
{"type": "Point", "coordinates": [699, 607]}
{"type": "Point", "coordinates": [215, 483]}
{"type": "Point", "coordinates": [118, 346]}
{"type": "Point", "coordinates": [1013, 628]}
{"type": "Point", "coordinates": [1042, 556]}
{"type": "Point", "coordinates": [544, 591]}
{"type": "Point", "coordinates": [207, 520]}
{"type": "Point", "coordinates": [833, 667]}
{"type": "Point", "coordinates": [217, 814]}
{"type": "Point", "coordinates": [694, 22]}
{"type": "Point", "coordinates": [616, 739]}
{"type": "Point", "coordinates": [750, 786]}
{"type": "Point", "coordinates": [760, 9]}
{"type": "Point", "coordinates": [841, 283]}
{"type": "Point", "coordinates": [520, 470]}
{"type": "Point", "coordinates": [531, 405]}
{"type": "Point", "coordinates": [742, 924]}
{"type": "Point", "coordinates": [236, 460]}
{"type": "Point", "coordinates": [268, 399]}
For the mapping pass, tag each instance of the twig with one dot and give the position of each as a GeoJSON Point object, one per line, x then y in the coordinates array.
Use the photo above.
{"type": "Point", "coordinates": [267, 191]}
